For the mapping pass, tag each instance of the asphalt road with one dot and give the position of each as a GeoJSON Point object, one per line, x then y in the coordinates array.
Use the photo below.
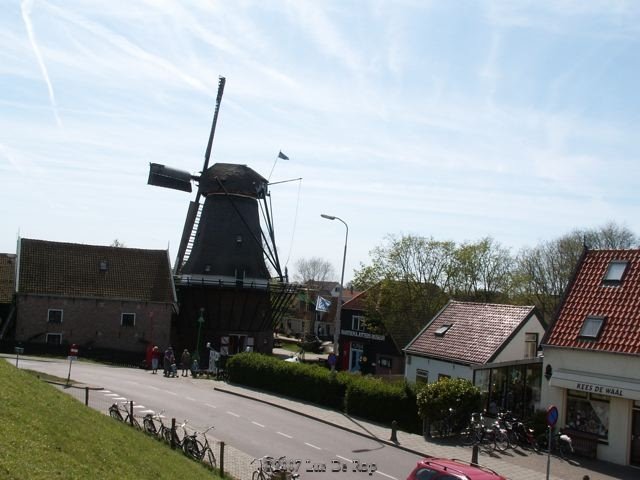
{"type": "Point", "coordinates": [251, 427]}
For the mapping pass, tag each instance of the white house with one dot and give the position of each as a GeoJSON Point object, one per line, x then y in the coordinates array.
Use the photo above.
{"type": "Point", "coordinates": [494, 346]}
{"type": "Point", "coordinates": [592, 356]}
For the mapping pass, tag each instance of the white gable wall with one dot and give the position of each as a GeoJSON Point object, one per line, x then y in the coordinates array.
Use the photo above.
{"type": "Point", "coordinates": [516, 348]}
{"type": "Point", "coordinates": [435, 368]}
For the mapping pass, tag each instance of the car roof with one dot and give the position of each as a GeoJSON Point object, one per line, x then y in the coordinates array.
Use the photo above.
{"type": "Point", "coordinates": [460, 467]}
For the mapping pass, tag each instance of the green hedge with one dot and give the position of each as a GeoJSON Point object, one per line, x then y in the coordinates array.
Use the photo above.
{"type": "Point", "coordinates": [365, 397]}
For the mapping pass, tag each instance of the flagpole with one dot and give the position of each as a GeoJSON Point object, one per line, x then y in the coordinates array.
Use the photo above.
{"type": "Point", "coordinates": [280, 155]}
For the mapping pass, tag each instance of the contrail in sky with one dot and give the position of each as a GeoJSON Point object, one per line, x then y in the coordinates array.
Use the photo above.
{"type": "Point", "coordinates": [26, 6]}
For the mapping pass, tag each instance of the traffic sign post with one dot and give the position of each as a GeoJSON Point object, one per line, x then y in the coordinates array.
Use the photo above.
{"type": "Point", "coordinates": [552, 419]}
{"type": "Point", "coordinates": [73, 355]}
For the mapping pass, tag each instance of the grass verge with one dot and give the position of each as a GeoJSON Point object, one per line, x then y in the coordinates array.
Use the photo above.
{"type": "Point", "coordinates": [46, 434]}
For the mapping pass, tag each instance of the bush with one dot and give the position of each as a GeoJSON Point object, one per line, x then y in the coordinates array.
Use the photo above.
{"type": "Point", "coordinates": [434, 400]}
{"type": "Point", "coordinates": [371, 398]}
{"type": "Point", "coordinates": [305, 382]}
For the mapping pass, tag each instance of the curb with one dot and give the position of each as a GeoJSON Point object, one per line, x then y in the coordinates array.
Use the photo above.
{"type": "Point", "coordinates": [326, 422]}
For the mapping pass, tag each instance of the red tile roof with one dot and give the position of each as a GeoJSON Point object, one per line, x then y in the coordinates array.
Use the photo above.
{"type": "Point", "coordinates": [477, 334]}
{"type": "Point", "coordinates": [588, 295]}
{"type": "Point", "coordinates": [70, 269]}
{"type": "Point", "coordinates": [355, 302]}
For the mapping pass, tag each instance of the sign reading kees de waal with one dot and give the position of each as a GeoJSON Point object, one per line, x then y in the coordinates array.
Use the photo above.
{"type": "Point", "coordinates": [602, 389]}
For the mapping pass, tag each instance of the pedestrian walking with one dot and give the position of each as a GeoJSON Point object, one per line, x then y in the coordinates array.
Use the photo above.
{"type": "Point", "coordinates": [169, 363]}
{"type": "Point", "coordinates": [185, 362]}
{"type": "Point", "coordinates": [155, 359]}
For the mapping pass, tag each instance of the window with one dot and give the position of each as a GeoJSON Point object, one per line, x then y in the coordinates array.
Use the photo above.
{"type": "Point", "coordinates": [128, 320]}
{"type": "Point", "coordinates": [103, 265]}
{"type": "Point", "coordinates": [385, 362]}
{"type": "Point", "coordinates": [54, 338]}
{"type": "Point", "coordinates": [442, 375]}
{"type": "Point", "coordinates": [615, 272]}
{"type": "Point", "coordinates": [442, 330]}
{"type": "Point", "coordinates": [54, 316]}
{"type": "Point", "coordinates": [588, 412]}
{"type": "Point", "coordinates": [357, 323]}
{"type": "Point", "coordinates": [530, 345]}
{"type": "Point", "coordinates": [591, 327]}
{"type": "Point", "coordinates": [422, 376]}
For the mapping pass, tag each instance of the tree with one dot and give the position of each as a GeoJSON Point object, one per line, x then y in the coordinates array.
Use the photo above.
{"type": "Point", "coordinates": [314, 269]}
{"type": "Point", "coordinates": [117, 243]}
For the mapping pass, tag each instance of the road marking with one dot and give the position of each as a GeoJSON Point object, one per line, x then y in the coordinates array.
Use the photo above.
{"type": "Point", "coordinates": [170, 392]}
{"type": "Point", "coordinates": [385, 475]}
{"type": "Point", "coordinates": [258, 424]}
{"type": "Point", "coordinates": [111, 394]}
{"type": "Point", "coordinates": [120, 398]}
{"type": "Point", "coordinates": [153, 388]}
{"type": "Point", "coordinates": [284, 434]}
{"type": "Point", "coordinates": [234, 414]}
{"type": "Point", "coordinates": [345, 459]}
{"type": "Point", "coordinates": [210, 406]}
{"type": "Point", "coordinates": [139, 406]}
{"type": "Point", "coordinates": [312, 446]}
{"type": "Point", "coordinates": [106, 391]}
{"type": "Point", "coordinates": [148, 411]}
{"type": "Point", "coordinates": [189, 398]}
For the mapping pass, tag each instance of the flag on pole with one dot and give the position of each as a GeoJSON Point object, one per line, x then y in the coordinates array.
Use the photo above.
{"type": "Point", "coordinates": [322, 304]}
{"type": "Point", "coordinates": [282, 156]}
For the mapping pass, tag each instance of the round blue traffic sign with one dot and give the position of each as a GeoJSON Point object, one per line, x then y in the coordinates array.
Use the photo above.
{"type": "Point", "coordinates": [552, 415]}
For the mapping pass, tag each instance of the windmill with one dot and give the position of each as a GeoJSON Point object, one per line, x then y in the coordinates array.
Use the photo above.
{"type": "Point", "coordinates": [221, 265]}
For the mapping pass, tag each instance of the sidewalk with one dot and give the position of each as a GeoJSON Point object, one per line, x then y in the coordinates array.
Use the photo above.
{"type": "Point", "coordinates": [516, 465]}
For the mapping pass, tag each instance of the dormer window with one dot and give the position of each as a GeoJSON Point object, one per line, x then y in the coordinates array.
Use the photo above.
{"type": "Point", "coordinates": [591, 328]}
{"type": "Point", "coordinates": [615, 272]}
{"type": "Point", "coordinates": [442, 330]}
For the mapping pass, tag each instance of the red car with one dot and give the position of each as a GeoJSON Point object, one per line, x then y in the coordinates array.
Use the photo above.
{"type": "Point", "coordinates": [445, 469]}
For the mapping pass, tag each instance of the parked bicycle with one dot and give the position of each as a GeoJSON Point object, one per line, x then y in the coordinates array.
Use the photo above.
{"type": "Point", "coordinates": [197, 450]}
{"type": "Point", "coordinates": [123, 414]}
{"type": "Point", "coordinates": [489, 437]}
{"type": "Point", "coordinates": [149, 423]}
{"type": "Point", "coordinates": [518, 433]}
{"type": "Point", "coordinates": [561, 443]}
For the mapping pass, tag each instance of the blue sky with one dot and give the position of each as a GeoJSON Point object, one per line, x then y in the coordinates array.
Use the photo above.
{"type": "Point", "coordinates": [451, 119]}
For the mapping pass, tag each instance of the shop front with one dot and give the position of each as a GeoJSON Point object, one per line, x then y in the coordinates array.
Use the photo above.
{"type": "Point", "coordinates": [595, 404]}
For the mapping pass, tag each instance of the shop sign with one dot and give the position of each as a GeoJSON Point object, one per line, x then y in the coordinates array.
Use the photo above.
{"type": "Point", "coordinates": [601, 389]}
{"type": "Point", "coordinates": [359, 334]}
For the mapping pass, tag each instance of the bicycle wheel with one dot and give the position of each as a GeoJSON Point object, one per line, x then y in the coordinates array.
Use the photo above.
{"type": "Point", "coordinates": [135, 424]}
{"type": "Point", "coordinates": [193, 448]}
{"type": "Point", "coordinates": [210, 458]}
{"type": "Point", "coordinates": [501, 441]}
{"type": "Point", "coordinates": [165, 434]}
{"type": "Point", "coordinates": [114, 412]}
{"type": "Point", "coordinates": [469, 437]}
{"type": "Point", "coordinates": [149, 426]}
{"type": "Point", "coordinates": [488, 441]}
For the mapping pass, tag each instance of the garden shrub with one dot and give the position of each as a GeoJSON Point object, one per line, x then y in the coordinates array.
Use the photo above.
{"type": "Point", "coordinates": [434, 400]}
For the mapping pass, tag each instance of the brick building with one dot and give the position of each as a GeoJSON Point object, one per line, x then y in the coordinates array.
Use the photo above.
{"type": "Point", "coordinates": [101, 298]}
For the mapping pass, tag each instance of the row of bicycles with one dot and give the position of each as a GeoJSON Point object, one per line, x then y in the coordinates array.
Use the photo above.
{"type": "Point", "coordinates": [508, 431]}
{"type": "Point", "coordinates": [194, 445]}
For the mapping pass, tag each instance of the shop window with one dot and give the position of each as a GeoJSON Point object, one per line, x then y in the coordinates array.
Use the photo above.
{"type": "Point", "coordinates": [588, 412]}
{"type": "Point", "coordinates": [54, 316]}
{"type": "Point", "coordinates": [384, 362]}
{"type": "Point", "coordinates": [128, 320]}
{"type": "Point", "coordinates": [422, 376]}
{"type": "Point", "coordinates": [591, 327]}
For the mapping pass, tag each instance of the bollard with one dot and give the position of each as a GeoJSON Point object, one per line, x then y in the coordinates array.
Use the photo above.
{"type": "Point", "coordinates": [394, 431]}
{"type": "Point", "coordinates": [86, 396]}
{"type": "Point", "coordinates": [173, 433]}
{"type": "Point", "coordinates": [474, 455]}
{"type": "Point", "coordinates": [222, 459]}
{"type": "Point", "coordinates": [131, 412]}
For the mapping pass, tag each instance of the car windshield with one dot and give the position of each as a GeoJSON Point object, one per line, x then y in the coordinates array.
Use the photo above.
{"type": "Point", "coordinates": [428, 474]}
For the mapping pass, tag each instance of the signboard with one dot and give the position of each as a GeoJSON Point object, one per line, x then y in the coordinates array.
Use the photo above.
{"type": "Point", "coordinates": [73, 352]}
{"type": "Point", "coordinates": [552, 415]}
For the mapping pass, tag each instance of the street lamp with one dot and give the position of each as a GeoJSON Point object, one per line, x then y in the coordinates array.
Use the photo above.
{"type": "Point", "coordinates": [200, 321]}
{"type": "Point", "coordinates": [336, 328]}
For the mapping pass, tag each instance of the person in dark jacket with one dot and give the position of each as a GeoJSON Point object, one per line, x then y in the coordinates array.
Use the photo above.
{"type": "Point", "coordinates": [185, 360]}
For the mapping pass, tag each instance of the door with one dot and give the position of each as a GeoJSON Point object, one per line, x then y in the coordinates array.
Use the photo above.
{"type": "Point", "coordinates": [354, 357]}
{"type": "Point", "coordinates": [634, 458]}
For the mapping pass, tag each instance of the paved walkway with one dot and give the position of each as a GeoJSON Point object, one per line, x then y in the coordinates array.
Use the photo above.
{"type": "Point", "coordinates": [516, 465]}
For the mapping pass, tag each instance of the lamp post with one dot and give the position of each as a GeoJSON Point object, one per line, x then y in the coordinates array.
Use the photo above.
{"type": "Point", "coordinates": [336, 328]}
{"type": "Point", "coordinates": [200, 321]}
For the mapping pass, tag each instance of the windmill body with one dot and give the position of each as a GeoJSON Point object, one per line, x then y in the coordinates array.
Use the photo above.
{"type": "Point", "coordinates": [227, 296]}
